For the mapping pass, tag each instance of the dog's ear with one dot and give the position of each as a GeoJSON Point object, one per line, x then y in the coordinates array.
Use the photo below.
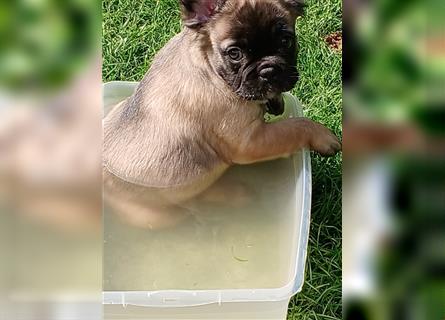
{"type": "Point", "coordinates": [297, 6]}
{"type": "Point", "coordinates": [195, 13]}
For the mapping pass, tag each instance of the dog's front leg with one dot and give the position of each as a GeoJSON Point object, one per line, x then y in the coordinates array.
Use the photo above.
{"type": "Point", "coordinates": [266, 141]}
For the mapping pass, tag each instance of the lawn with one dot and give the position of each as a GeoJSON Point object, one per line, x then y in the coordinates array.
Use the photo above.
{"type": "Point", "coordinates": [133, 31]}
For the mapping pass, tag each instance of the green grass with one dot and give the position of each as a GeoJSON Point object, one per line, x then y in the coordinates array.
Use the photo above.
{"type": "Point", "coordinates": [134, 30]}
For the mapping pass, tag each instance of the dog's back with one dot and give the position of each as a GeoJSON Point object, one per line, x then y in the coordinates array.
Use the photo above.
{"type": "Point", "coordinates": [153, 138]}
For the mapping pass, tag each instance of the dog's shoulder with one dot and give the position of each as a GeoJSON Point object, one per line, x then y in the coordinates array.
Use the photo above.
{"type": "Point", "coordinates": [155, 149]}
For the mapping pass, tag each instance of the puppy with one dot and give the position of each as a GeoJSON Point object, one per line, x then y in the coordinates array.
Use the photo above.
{"type": "Point", "coordinates": [200, 109]}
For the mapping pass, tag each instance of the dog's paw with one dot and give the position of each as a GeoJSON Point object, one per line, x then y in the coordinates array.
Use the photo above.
{"type": "Point", "coordinates": [325, 142]}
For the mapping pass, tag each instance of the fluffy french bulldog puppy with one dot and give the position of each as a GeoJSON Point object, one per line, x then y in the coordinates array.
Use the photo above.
{"type": "Point", "coordinates": [200, 109]}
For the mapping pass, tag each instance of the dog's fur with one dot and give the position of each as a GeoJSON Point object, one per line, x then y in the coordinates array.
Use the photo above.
{"type": "Point", "coordinates": [200, 108]}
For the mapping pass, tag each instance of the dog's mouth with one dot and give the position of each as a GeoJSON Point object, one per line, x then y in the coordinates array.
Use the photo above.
{"type": "Point", "coordinates": [267, 93]}
{"type": "Point", "coordinates": [257, 91]}
{"type": "Point", "coordinates": [253, 97]}
{"type": "Point", "coordinates": [263, 90]}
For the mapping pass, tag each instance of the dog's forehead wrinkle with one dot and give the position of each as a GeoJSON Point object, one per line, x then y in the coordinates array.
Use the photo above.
{"type": "Point", "coordinates": [228, 42]}
{"type": "Point", "coordinates": [251, 24]}
{"type": "Point", "coordinates": [262, 11]}
{"type": "Point", "coordinates": [251, 13]}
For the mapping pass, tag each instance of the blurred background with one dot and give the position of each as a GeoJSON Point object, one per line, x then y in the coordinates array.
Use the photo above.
{"type": "Point", "coordinates": [50, 142]}
{"type": "Point", "coordinates": [394, 152]}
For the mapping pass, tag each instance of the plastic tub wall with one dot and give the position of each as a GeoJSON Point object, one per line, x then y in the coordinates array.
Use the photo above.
{"type": "Point", "coordinates": [241, 304]}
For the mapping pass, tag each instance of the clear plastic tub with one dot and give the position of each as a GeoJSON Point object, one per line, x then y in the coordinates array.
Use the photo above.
{"type": "Point", "coordinates": [241, 259]}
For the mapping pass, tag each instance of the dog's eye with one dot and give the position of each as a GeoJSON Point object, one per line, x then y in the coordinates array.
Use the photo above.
{"type": "Point", "coordinates": [235, 53]}
{"type": "Point", "coordinates": [286, 42]}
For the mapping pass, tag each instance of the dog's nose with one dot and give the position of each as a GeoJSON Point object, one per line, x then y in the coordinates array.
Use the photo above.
{"type": "Point", "coordinates": [268, 72]}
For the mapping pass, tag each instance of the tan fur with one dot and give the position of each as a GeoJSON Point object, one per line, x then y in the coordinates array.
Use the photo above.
{"type": "Point", "coordinates": [184, 127]}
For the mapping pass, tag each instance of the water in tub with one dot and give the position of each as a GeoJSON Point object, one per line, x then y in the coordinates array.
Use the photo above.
{"type": "Point", "coordinates": [228, 245]}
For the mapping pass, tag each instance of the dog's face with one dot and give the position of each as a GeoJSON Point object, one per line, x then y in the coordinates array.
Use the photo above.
{"type": "Point", "coordinates": [251, 42]}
